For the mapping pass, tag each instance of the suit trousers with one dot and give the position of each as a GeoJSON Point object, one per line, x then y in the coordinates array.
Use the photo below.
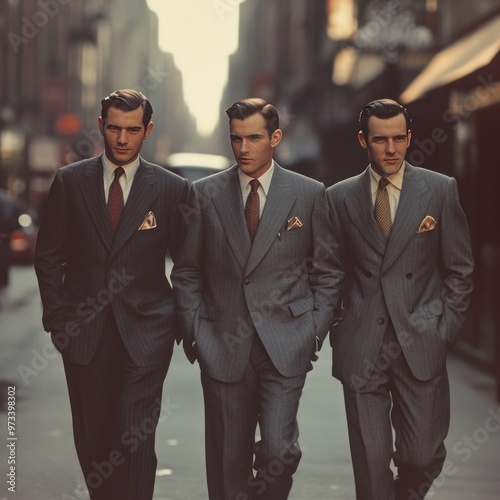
{"type": "Point", "coordinates": [232, 411]}
{"type": "Point", "coordinates": [420, 414]}
{"type": "Point", "coordinates": [115, 407]}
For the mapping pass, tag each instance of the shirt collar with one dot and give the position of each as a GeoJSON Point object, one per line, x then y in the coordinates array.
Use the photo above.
{"type": "Point", "coordinates": [130, 168]}
{"type": "Point", "coordinates": [396, 179]}
{"type": "Point", "coordinates": [264, 179]}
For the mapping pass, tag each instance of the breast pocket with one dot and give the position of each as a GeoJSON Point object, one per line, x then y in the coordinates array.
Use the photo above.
{"type": "Point", "coordinates": [292, 233]}
{"type": "Point", "coordinates": [425, 235]}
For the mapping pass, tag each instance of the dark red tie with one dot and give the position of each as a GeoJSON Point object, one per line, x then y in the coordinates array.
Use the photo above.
{"type": "Point", "coordinates": [383, 208]}
{"type": "Point", "coordinates": [252, 208]}
{"type": "Point", "coordinates": [115, 200]}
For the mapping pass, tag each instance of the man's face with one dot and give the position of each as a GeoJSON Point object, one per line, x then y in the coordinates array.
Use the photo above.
{"type": "Point", "coordinates": [252, 147]}
{"type": "Point", "coordinates": [123, 133]}
{"type": "Point", "coordinates": [386, 144]}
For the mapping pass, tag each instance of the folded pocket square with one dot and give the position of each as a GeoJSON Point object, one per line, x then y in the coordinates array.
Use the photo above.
{"type": "Point", "coordinates": [293, 223]}
{"type": "Point", "coordinates": [149, 222]}
{"type": "Point", "coordinates": [427, 224]}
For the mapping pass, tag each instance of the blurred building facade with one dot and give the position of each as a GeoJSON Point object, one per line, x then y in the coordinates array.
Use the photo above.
{"type": "Point", "coordinates": [320, 61]}
{"type": "Point", "coordinates": [455, 100]}
{"type": "Point", "coordinates": [60, 58]}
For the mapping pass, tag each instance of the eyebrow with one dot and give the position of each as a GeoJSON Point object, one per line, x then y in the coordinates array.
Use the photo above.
{"type": "Point", "coordinates": [131, 127]}
{"type": "Point", "coordinates": [235, 136]}
{"type": "Point", "coordinates": [386, 137]}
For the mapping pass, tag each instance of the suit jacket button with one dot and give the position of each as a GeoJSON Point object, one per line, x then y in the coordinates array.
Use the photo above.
{"type": "Point", "coordinates": [411, 310]}
{"type": "Point", "coordinates": [246, 281]}
{"type": "Point", "coordinates": [368, 274]}
{"type": "Point", "coordinates": [381, 321]}
{"type": "Point", "coordinates": [409, 276]}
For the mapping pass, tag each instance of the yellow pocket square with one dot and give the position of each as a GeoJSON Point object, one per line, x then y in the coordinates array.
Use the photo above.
{"type": "Point", "coordinates": [149, 222]}
{"type": "Point", "coordinates": [293, 223]}
{"type": "Point", "coordinates": [427, 224]}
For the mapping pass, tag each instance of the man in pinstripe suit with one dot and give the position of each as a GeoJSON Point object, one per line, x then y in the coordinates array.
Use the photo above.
{"type": "Point", "coordinates": [255, 292]}
{"type": "Point", "coordinates": [100, 261]}
{"type": "Point", "coordinates": [406, 289]}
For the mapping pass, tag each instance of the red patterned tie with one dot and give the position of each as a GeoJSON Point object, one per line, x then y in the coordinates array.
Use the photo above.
{"type": "Point", "coordinates": [383, 208]}
{"type": "Point", "coordinates": [252, 208]}
{"type": "Point", "coordinates": [115, 200]}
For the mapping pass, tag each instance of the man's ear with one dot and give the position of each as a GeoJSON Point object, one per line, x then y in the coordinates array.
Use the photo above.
{"type": "Point", "coordinates": [362, 140]}
{"type": "Point", "coordinates": [276, 137]}
{"type": "Point", "coordinates": [149, 128]}
{"type": "Point", "coordinates": [100, 123]}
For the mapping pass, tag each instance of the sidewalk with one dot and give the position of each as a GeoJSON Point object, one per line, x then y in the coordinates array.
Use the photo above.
{"type": "Point", "coordinates": [471, 470]}
{"type": "Point", "coordinates": [22, 286]}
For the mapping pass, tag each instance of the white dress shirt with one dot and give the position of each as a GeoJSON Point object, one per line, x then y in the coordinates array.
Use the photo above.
{"type": "Point", "coordinates": [393, 188]}
{"type": "Point", "coordinates": [265, 182]}
{"type": "Point", "coordinates": [126, 179]}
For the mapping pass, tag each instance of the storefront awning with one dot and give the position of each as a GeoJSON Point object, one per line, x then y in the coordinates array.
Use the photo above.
{"type": "Point", "coordinates": [468, 54]}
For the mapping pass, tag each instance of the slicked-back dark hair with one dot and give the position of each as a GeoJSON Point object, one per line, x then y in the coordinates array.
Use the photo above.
{"type": "Point", "coordinates": [382, 108]}
{"type": "Point", "coordinates": [127, 100]}
{"type": "Point", "coordinates": [245, 108]}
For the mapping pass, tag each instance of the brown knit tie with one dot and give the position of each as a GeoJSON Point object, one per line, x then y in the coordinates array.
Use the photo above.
{"type": "Point", "coordinates": [383, 208]}
{"type": "Point", "coordinates": [252, 208]}
{"type": "Point", "coordinates": [115, 200]}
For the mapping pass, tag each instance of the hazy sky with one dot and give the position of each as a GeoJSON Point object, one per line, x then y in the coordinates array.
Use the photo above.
{"type": "Point", "coordinates": [201, 34]}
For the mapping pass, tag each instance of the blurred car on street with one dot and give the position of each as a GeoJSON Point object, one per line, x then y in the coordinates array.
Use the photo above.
{"type": "Point", "coordinates": [194, 166]}
{"type": "Point", "coordinates": [23, 240]}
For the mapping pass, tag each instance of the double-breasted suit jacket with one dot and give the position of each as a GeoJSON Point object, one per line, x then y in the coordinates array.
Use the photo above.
{"type": "Point", "coordinates": [282, 285]}
{"type": "Point", "coordinates": [83, 269]}
{"type": "Point", "coordinates": [420, 280]}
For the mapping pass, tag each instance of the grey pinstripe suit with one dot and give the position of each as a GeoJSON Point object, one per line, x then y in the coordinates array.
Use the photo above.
{"type": "Point", "coordinates": [254, 304]}
{"type": "Point", "coordinates": [403, 305]}
{"type": "Point", "coordinates": [110, 309]}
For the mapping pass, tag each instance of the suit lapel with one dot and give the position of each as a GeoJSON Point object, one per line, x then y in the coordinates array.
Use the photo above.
{"type": "Point", "coordinates": [360, 209]}
{"type": "Point", "coordinates": [229, 207]}
{"type": "Point", "coordinates": [92, 189]}
{"type": "Point", "coordinates": [142, 194]}
{"type": "Point", "coordinates": [279, 202]}
{"type": "Point", "coordinates": [415, 197]}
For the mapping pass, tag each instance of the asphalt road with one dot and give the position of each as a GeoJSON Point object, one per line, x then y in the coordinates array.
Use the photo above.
{"type": "Point", "coordinates": [46, 464]}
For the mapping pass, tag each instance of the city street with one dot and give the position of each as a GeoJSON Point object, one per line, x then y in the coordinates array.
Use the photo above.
{"type": "Point", "coordinates": [45, 462]}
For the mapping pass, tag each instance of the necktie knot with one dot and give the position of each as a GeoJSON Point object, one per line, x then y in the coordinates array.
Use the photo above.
{"type": "Point", "coordinates": [118, 172]}
{"type": "Point", "coordinates": [254, 185]}
{"type": "Point", "coordinates": [382, 183]}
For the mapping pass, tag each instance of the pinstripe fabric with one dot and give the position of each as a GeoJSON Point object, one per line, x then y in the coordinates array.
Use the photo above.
{"type": "Point", "coordinates": [254, 310]}
{"type": "Point", "coordinates": [404, 301]}
{"type": "Point", "coordinates": [284, 283]}
{"type": "Point", "coordinates": [421, 281]}
{"type": "Point", "coordinates": [273, 400]}
{"type": "Point", "coordinates": [125, 272]}
{"type": "Point", "coordinates": [115, 408]}
{"type": "Point", "coordinates": [88, 275]}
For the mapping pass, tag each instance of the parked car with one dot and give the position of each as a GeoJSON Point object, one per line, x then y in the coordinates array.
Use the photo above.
{"type": "Point", "coordinates": [193, 166]}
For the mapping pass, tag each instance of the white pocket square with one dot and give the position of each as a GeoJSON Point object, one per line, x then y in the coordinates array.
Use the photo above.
{"type": "Point", "coordinates": [149, 222]}
{"type": "Point", "coordinates": [427, 224]}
